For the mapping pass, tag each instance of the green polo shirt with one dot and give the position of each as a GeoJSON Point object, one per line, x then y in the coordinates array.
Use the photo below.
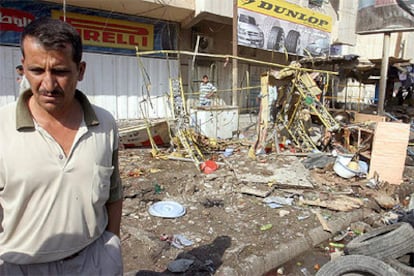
{"type": "Point", "coordinates": [53, 205]}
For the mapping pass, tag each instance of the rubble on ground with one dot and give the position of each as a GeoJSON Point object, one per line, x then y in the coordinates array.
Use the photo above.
{"type": "Point", "coordinates": [265, 187]}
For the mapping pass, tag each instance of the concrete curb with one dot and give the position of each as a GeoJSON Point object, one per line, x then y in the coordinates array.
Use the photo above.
{"type": "Point", "coordinates": [258, 265]}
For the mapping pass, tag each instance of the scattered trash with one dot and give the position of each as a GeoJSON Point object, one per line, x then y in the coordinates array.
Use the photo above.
{"type": "Point", "coordinates": [336, 245]}
{"type": "Point", "coordinates": [228, 152]}
{"type": "Point", "coordinates": [323, 222]}
{"type": "Point", "coordinates": [303, 217]}
{"type": "Point", "coordinates": [209, 203]}
{"type": "Point", "coordinates": [411, 203]}
{"type": "Point", "coordinates": [135, 172]}
{"type": "Point", "coordinates": [266, 227]}
{"type": "Point", "coordinates": [260, 151]}
{"type": "Point", "coordinates": [353, 165]}
{"type": "Point", "coordinates": [274, 205]}
{"type": "Point", "coordinates": [180, 241]}
{"type": "Point", "coordinates": [283, 213]}
{"type": "Point", "coordinates": [254, 191]}
{"type": "Point", "coordinates": [275, 201]}
{"type": "Point", "coordinates": [165, 237]}
{"type": "Point", "coordinates": [363, 167]}
{"type": "Point", "coordinates": [335, 253]}
{"type": "Point", "coordinates": [305, 271]}
{"type": "Point", "coordinates": [318, 160]}
{"type": "Point", "coordinates": [208, 166]}
{"type": "Point", "coordinates": [342, 235]}
{"type": "Point", "coordinates": [341, 167]}
{"type": "Point", "coordinates": [157, 189]}
{"type": "Point", "coordinates": [166, 209]}
{"type": "Point", "coordinates": [280, 271]}
{"type": "Point", "coordinates": [154, 170]}
{"type": "Point", "coordinates": [372, 183]}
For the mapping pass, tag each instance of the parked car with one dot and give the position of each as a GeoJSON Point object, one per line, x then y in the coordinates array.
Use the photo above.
{"type": "Point", "coordinates": [249, 34]}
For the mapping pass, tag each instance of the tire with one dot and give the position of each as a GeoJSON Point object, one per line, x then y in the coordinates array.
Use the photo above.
{"type": "Point", "coordinates": [356, 265]}
{"type": "Point", "coordinates": [391, 241]}
{"type": "Point", "coordinates": [292, 42]}
{"type": "Point", "coordinates": [401, 267]}
{"type": "Point", "coordinates": [276, 39]}
{"type": "Point", "coordinates": [261, 44]}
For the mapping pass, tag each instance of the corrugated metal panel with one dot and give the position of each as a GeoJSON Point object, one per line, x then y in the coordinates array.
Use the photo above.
{"type": "Point", "coordinates": [10, 57]}
{"type": "Point", "coordinates": [115, 83]}
{"type": "Point", "coordinates": [119, 84]}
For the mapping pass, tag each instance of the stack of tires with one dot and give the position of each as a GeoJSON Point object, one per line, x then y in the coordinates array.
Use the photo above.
{"type": "Point", "coordinates": [378, 252]}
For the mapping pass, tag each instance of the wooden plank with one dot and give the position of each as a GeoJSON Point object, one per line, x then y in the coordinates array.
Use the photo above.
{"type": "Point", "coordinates": [361, 117]}
{"type": "Point", "coordinates": [324, 223]}
{"type": "Point", "coordinates": [389, 150]}
{"type": "Point", "coordinates": [263, 118]}
{"type": "Point", "coordinates": [137, 136]}
{"type": "Point", "coordinates": [256, 192]}
{"type": "Point", "coordinates": [337, 204]}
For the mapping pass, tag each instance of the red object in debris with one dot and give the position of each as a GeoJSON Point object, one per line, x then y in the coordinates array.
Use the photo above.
{"type": "Point", "coordinates": [209, 166]}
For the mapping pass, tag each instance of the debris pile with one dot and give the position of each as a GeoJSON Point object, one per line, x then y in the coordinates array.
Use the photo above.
{"type": "Point", "coordinates": [301, 169]}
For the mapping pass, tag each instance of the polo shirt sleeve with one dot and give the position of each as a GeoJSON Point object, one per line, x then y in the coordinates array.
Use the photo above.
{"type": "Point", "coordinates": [116, 191]}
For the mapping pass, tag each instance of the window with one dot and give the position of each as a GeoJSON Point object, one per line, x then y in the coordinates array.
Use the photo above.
{"type": "Point", "coordinates": [316, 2]}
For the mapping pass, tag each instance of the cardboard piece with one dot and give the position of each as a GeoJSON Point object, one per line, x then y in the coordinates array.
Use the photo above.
{"type": "Point", "coordinates": [389, 150]}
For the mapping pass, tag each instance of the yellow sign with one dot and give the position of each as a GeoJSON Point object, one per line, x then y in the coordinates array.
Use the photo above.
{"type": "Point", "coordinates": [289, 12]}
{"type": "Point", "coordinates": [113, 33]}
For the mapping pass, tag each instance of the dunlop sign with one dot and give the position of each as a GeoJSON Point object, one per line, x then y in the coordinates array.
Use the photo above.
{"type": "Point", "coordinates": [113, 33]}
{"type": "Point", "coordinates": [289, 12]}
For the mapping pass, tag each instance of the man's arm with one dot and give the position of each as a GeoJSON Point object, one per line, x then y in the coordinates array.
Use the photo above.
{"type": "Point", "coordinates": [114, 204]}
{"type": "Point", "coordinates": [213, 90]}
{"type": "Point", "coordinates": [114, 216]}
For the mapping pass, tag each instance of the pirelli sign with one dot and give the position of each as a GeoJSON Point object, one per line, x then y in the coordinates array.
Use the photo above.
{"type": "Point", "coordinates": [113, 33]}
{"type": "Point", "coordinates": [289, 12]}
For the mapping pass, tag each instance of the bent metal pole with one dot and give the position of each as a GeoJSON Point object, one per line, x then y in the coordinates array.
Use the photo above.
{"type": "Point", "coordinates": [384, 73]}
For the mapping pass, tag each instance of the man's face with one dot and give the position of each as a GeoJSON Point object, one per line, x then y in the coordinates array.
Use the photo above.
{"type": "Point", "coordinates": [52, 75]}
{"type": "Point", "coordinates": [19, 71]}
{"type": "Point", "coordinates": [205, 79]}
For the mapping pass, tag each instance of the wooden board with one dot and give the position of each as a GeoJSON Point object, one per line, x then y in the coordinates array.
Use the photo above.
{"type": "Point", "coordinates": [137, 136]}
{"type": "Point", "coordinates": [389, 150]}
{"type": "Point", "coordinates": [361, 117]}
{"type": "Point", "coordinates": [262, 120]}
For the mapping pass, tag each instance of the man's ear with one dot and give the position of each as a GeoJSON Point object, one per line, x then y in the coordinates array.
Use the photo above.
{"type": "Point", "coordinates": [82, 68]}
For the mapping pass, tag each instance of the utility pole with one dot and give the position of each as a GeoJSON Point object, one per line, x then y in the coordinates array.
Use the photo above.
{"type": "Point", "coordinates": [234, 61]}
{"type": "Point", "coordinates": [384, 73]}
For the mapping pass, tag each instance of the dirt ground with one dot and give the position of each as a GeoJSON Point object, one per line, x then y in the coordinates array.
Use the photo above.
{"type": "Point", "coordinates": [223, 224]}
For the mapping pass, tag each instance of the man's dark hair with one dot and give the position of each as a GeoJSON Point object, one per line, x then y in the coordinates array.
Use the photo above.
{"type": "Point", "coordinates": [54, 34]}
{"type": "Point", "coordinates": [205, 76]}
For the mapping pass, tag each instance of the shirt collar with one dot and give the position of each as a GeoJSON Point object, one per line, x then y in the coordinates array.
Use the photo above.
{"type": "Point", "coordinates": [24, 118]}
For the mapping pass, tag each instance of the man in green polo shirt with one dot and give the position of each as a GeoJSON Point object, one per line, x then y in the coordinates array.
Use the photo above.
{"type": "Point", "coordinates": [60, 189]}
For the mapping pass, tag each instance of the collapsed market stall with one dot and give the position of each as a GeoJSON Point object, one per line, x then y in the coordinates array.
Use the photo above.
{"type": "Point", "coordinates": [235, 206]}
